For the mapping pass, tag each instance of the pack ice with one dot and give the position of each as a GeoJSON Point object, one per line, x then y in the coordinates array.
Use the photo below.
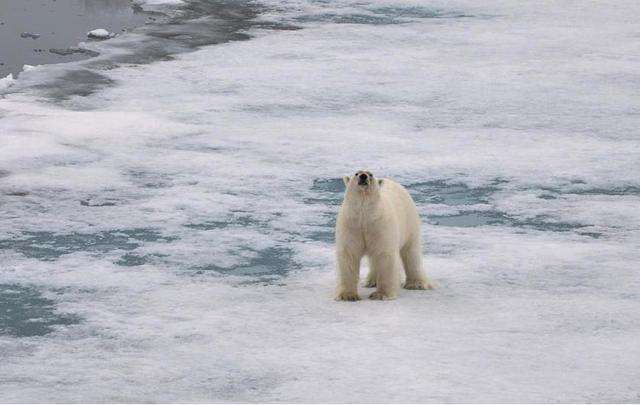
{"type": "Point", "coordinates": [168, 206]}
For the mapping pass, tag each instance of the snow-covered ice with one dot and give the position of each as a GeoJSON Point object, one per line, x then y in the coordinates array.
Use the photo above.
{"type": "Point", "coordinates": [166, 227]}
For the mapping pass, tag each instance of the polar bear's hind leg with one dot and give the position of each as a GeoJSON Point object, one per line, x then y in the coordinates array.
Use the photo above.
{"type": "Point", "coordinates": [372, 279]}
{"type": "Point", "coordinates": [411, 255]}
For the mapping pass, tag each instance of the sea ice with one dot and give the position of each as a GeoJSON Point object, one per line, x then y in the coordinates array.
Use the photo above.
{"type": "Point", "coordinates": [172, 222]}
{"type": "Point", "coordinates": [6, 82]}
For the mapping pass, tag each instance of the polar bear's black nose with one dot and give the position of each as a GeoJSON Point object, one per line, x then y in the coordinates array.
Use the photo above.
{"type": "Point", "coordinates": [362, 179]}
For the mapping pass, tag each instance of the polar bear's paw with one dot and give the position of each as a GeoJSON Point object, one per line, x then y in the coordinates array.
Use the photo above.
{"type": "Point", "coordinates": [348, 296]}
{"type": "Point", "coordinates": [417, 285]}
{"type": "Point", "coordinates": [379, 295]}
{"type": "Point", "coordinates": [370, 284]}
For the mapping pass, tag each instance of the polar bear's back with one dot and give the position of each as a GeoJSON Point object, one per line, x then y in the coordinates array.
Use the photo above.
{"type": "Point", "coordinates": [399, 202]}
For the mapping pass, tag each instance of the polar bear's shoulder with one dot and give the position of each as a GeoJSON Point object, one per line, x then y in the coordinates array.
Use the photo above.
{"type": "Point", "coordinates": [390, 183]}
{"type": "Point", "coordinates": [389, 186]}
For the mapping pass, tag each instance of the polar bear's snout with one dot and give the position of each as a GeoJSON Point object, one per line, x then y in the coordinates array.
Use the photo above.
{"type": "Point", "coordinates": [364, 178]}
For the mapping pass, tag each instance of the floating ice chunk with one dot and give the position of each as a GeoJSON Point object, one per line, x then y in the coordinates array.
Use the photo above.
{"type": "Point", "coordinates": [159, 2]}
{"type": "Point", "coordinates": [26, 68]}
{"type": "Point", "coordinates": [71, 51]}
{"type": "Point", "coordinates": [29, 35]}
{"type": "Point", "coordinates": [100, 33]}
{"type": "Point", "coordinates": [6, 82]}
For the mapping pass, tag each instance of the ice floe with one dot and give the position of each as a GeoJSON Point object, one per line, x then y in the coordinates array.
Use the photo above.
{"type": "Point", "coordinates": [100, 33]}
{"type": "Point", "coordinates": [170, 223]}
{"type": "Point", "coordinates": [29, 35]}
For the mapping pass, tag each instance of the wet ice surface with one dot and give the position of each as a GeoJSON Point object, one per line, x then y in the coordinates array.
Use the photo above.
{"type": "Point", "coordinates": [167, 215]}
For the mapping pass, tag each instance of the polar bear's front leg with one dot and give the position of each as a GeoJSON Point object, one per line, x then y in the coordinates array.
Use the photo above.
{"type": "Point", "coordinates": [385, 266]}
{"type": "Point", "coordinates": [348, 275]}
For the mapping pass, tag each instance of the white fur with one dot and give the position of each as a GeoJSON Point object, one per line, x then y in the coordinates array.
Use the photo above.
{"type": "Point", "coordinates": [379, 221]}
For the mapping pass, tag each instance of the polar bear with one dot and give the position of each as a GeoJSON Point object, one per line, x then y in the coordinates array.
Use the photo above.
{"type": "Point", "coordinates": [378, 219]}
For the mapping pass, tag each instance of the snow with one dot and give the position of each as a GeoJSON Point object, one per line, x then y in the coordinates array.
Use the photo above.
{"type": "Point", "coordinates": [6, 82]}
{"type": "Point", "coordinates": [184, 212]}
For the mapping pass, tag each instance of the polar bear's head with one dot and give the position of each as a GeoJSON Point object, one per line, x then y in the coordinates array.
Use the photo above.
{"type": "Point", "coordinates": [362, 182]}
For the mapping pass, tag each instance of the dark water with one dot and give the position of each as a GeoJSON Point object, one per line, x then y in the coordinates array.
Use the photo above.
{"type": "Point", "coordinates": [58, 26]}
{"type": "Point", "coordinates": [194, 24]}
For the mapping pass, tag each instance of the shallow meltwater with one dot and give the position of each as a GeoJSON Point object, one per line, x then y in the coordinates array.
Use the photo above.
{"type": "Point", "coordinates": [168, 205]}
{"type": "Point", "coordinates": [24, 312]}
{"type": "Point", "coordinates": [267, 266]}
{"type": "Point", "coordinates": [50, 246]}
{"type": "Point", "coordinates": [329, 192]}
{"type": "Point", "coordinates": [445, 192]}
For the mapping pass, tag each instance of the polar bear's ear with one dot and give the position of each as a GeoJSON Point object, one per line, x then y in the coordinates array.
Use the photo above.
{"type": "Point", "coordinates": [346, 180]}
{"type": "Point", "coordinates": [380, 181]}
